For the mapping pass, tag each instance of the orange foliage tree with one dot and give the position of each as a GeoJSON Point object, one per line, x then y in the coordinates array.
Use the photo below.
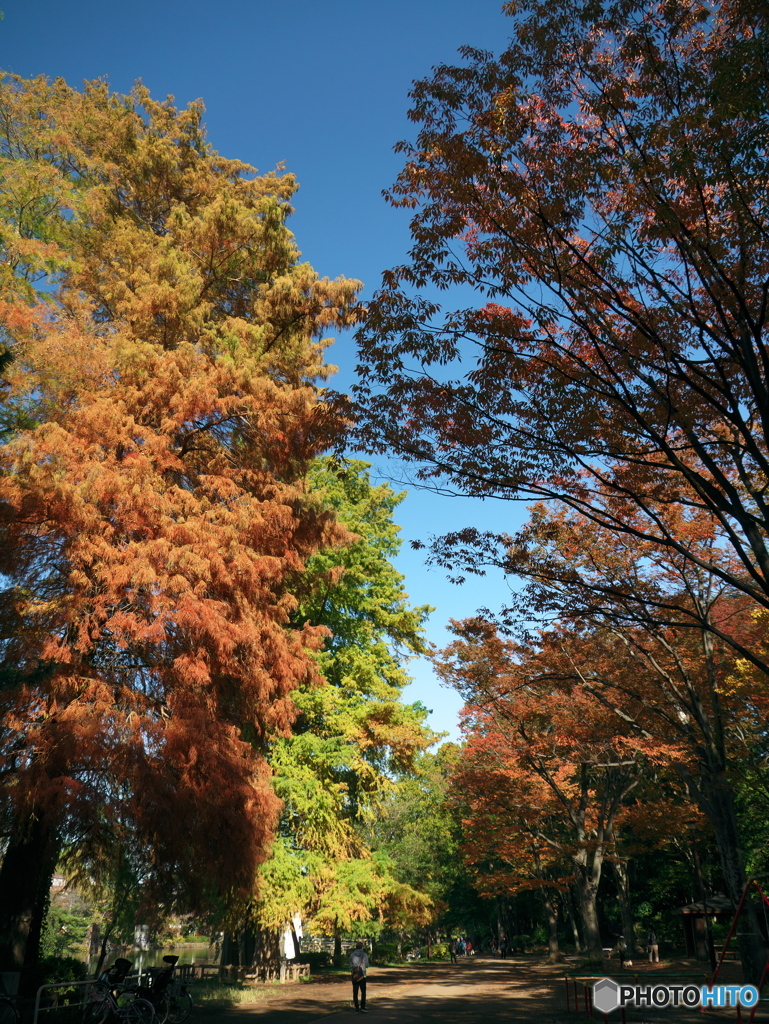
{"type": "Point", "coordinates": [672, 690]}
{"type": "Point", "coordinates": [544, 750]}
{"type": "Point", "coordinates": [598, 187]}
{"type": "Point", "coordinates": [166, 345]}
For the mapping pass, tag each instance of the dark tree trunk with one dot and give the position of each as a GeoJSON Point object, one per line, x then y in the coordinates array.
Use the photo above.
{"type": "Point", "coordinates": [622, 882]}
{"type": "Point", "coordinates": [553, 952]}
{"type": "Point", "coordinates": [337, 947]}
{"type": "Point", "coordinates": [259, 947]}
{"type": "Point", "coordinates": [25, 883]}
{"type": "Point", "coordinates": [568, 901]}
{"type": "Point", "coordinates": [588, 879]}
{"type": "Point", "coordinates": [717, 802]}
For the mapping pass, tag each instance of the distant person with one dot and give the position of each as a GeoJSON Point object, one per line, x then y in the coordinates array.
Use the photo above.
{"type": "Point", "coordinates": [469, 948]}
{"type": "Point", "coordinates": [503, 948]}
{"type": "Point", "coordinates": [652, 946]}
{"type": "Point", "coordinates": [453, 951]}
{"type": "Point", "coordinates": [625, 959]}
{"type": "Point", "coordinates": [358, 969]}
{"type": "Point", "coordinates": [462, 947]}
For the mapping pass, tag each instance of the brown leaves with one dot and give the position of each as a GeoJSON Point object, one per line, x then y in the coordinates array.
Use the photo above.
{"type": "Point", "coordinates": [155, 516]}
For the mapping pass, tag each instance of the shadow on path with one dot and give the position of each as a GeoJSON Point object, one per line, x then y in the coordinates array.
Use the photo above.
{"type": "Point", "coordinates": [478, 990]}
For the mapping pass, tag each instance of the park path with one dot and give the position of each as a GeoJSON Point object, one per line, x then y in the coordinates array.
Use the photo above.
{"type": "Point", "coordinates": [478, 990]}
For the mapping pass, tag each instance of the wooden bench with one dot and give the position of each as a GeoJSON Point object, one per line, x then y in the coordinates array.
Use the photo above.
{"type": "Point", "coordinates": [732, 952]}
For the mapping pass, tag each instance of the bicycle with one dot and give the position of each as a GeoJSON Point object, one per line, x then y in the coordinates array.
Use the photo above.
{"type": "Point", "coordinates": [8, 1012]}
{"type": "Point", "coordinates": [107, 1000]}
{"type": "Point", "coordinates": [170, 998]}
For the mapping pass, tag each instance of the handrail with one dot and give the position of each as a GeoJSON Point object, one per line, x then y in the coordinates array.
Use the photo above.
{"type": "Point", "coordinates": [56, 984]}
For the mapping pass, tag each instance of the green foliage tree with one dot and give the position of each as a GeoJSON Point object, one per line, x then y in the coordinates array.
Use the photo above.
{"type": "Point", "coordinates": [354, 737]}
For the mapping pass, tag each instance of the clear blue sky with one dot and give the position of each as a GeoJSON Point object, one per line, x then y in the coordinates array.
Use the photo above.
{"type": "Point", "coordinates": [321, 87]}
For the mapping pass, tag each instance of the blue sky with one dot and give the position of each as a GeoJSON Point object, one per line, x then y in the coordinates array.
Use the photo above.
{"type": "Point", "coordinates": [321, 87]}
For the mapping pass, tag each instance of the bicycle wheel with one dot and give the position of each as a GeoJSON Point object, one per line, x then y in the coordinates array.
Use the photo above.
{"type": "Point", "coordinates": [137, 1011]}
{"type": "Point", "coordinates": [96, 1010]}
{"type": "Point", "coordinates": [179, 1007]}
{"type": "Point", "coordinates": [162, 1009]}
{"type": "Point", "coordinates": [8, 1012]}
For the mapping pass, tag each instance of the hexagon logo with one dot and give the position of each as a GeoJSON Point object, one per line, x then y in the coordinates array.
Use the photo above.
{"type": "Point", "coordinates": [606, 995]}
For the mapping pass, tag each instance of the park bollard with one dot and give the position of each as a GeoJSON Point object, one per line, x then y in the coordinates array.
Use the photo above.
{"type": "Point", "coordinates": [568, 1007]}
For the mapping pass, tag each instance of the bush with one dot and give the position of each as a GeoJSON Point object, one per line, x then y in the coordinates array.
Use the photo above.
{"type": "Point", "coordinates": [317, 961]}
{"type": "Point", "coordinates": [440, 951]}
{"type": "Point", "coordinates": [61, 968]}
{"type": "Point", "coordinates": [58, 970]}
{"type": "Point", "coordinates": [386, 952]}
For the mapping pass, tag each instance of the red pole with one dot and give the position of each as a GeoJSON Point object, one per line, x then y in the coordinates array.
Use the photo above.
{"type": "Point", "coordinates": [731, 930]}
{"type": "Point", "coordinates": [763, 980]}
{"type": "Point", "coordinates": [576, 996]}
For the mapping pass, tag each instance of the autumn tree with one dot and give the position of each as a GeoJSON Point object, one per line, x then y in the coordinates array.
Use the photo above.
{"type": "Point", "coordinates": [599, 186]}
{"type": "Point", "coordinates": [567, 765]}
{"type": "Point", "coordinates": [166, 345]}
{"type": "Point", "coordinates": [681, 627]}
{"type": "Point", "coordinates": [668, 686]}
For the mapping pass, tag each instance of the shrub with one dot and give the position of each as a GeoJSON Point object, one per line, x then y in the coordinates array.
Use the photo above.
{"type": "Point", "coordinates": [317, 961]}
{"type": "Point", "coordinates": [386, 952]}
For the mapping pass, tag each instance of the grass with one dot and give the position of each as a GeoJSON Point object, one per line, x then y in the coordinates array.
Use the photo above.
{"type": "Point", "coordinates": [228, 993]}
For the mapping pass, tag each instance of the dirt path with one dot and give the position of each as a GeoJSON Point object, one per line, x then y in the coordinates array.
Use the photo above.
{"type": "Point", "coordinates": [478, 990]}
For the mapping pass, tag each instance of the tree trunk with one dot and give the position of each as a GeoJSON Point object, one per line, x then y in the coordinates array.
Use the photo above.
{"type": "Point", "coordinates": [717, 803]}
{"type": "Point", "coordinates": [571, 916]}
{"type": "Point", "coordinates": [337, 947]}
{"type": "Point", "coordinates": [550, 916]}
{"type": "Point", "coordinates": [25, 883]}
{"type": "Point", "coordinates": [588, 879]}
{"type": "Point", "coordinates": [553, 953]}
{"type": "Point", "coordinates": [622, 881]}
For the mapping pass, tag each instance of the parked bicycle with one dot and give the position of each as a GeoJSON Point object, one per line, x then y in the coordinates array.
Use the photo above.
{"type": "Point", "coordinates": [8, 1012]}
{"type": "Point", "coordinates": [108, 998]}
{"type": "Point", "coordinates": [169, 997]}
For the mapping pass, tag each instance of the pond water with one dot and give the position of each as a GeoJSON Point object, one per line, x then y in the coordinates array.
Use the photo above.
{"type": "Point", "coordinates": [192, 953]}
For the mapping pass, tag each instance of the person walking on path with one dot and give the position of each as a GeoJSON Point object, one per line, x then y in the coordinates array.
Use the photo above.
{"type": "Point", "coordinates": [652, 945]}
{"type": "Point", "coordinates": [503, 948]}
{"type": "Point", "coordinates": [453, 951]}
{"type": "Point", "coordinates": [358, 969]}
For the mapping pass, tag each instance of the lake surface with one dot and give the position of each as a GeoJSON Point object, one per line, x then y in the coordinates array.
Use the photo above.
{"type": "Point", "coordinates": [193, 953]}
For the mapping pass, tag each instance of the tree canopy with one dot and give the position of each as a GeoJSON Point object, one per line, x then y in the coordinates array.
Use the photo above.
{"type": "Point", "coordinates": [166, 343]}
{"type": "Point", "coordinates": [354, 740]}
{"type": "Point", "coordinates": [599, 186]}
{"type": "Point", "coordinates": [597, 189]}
